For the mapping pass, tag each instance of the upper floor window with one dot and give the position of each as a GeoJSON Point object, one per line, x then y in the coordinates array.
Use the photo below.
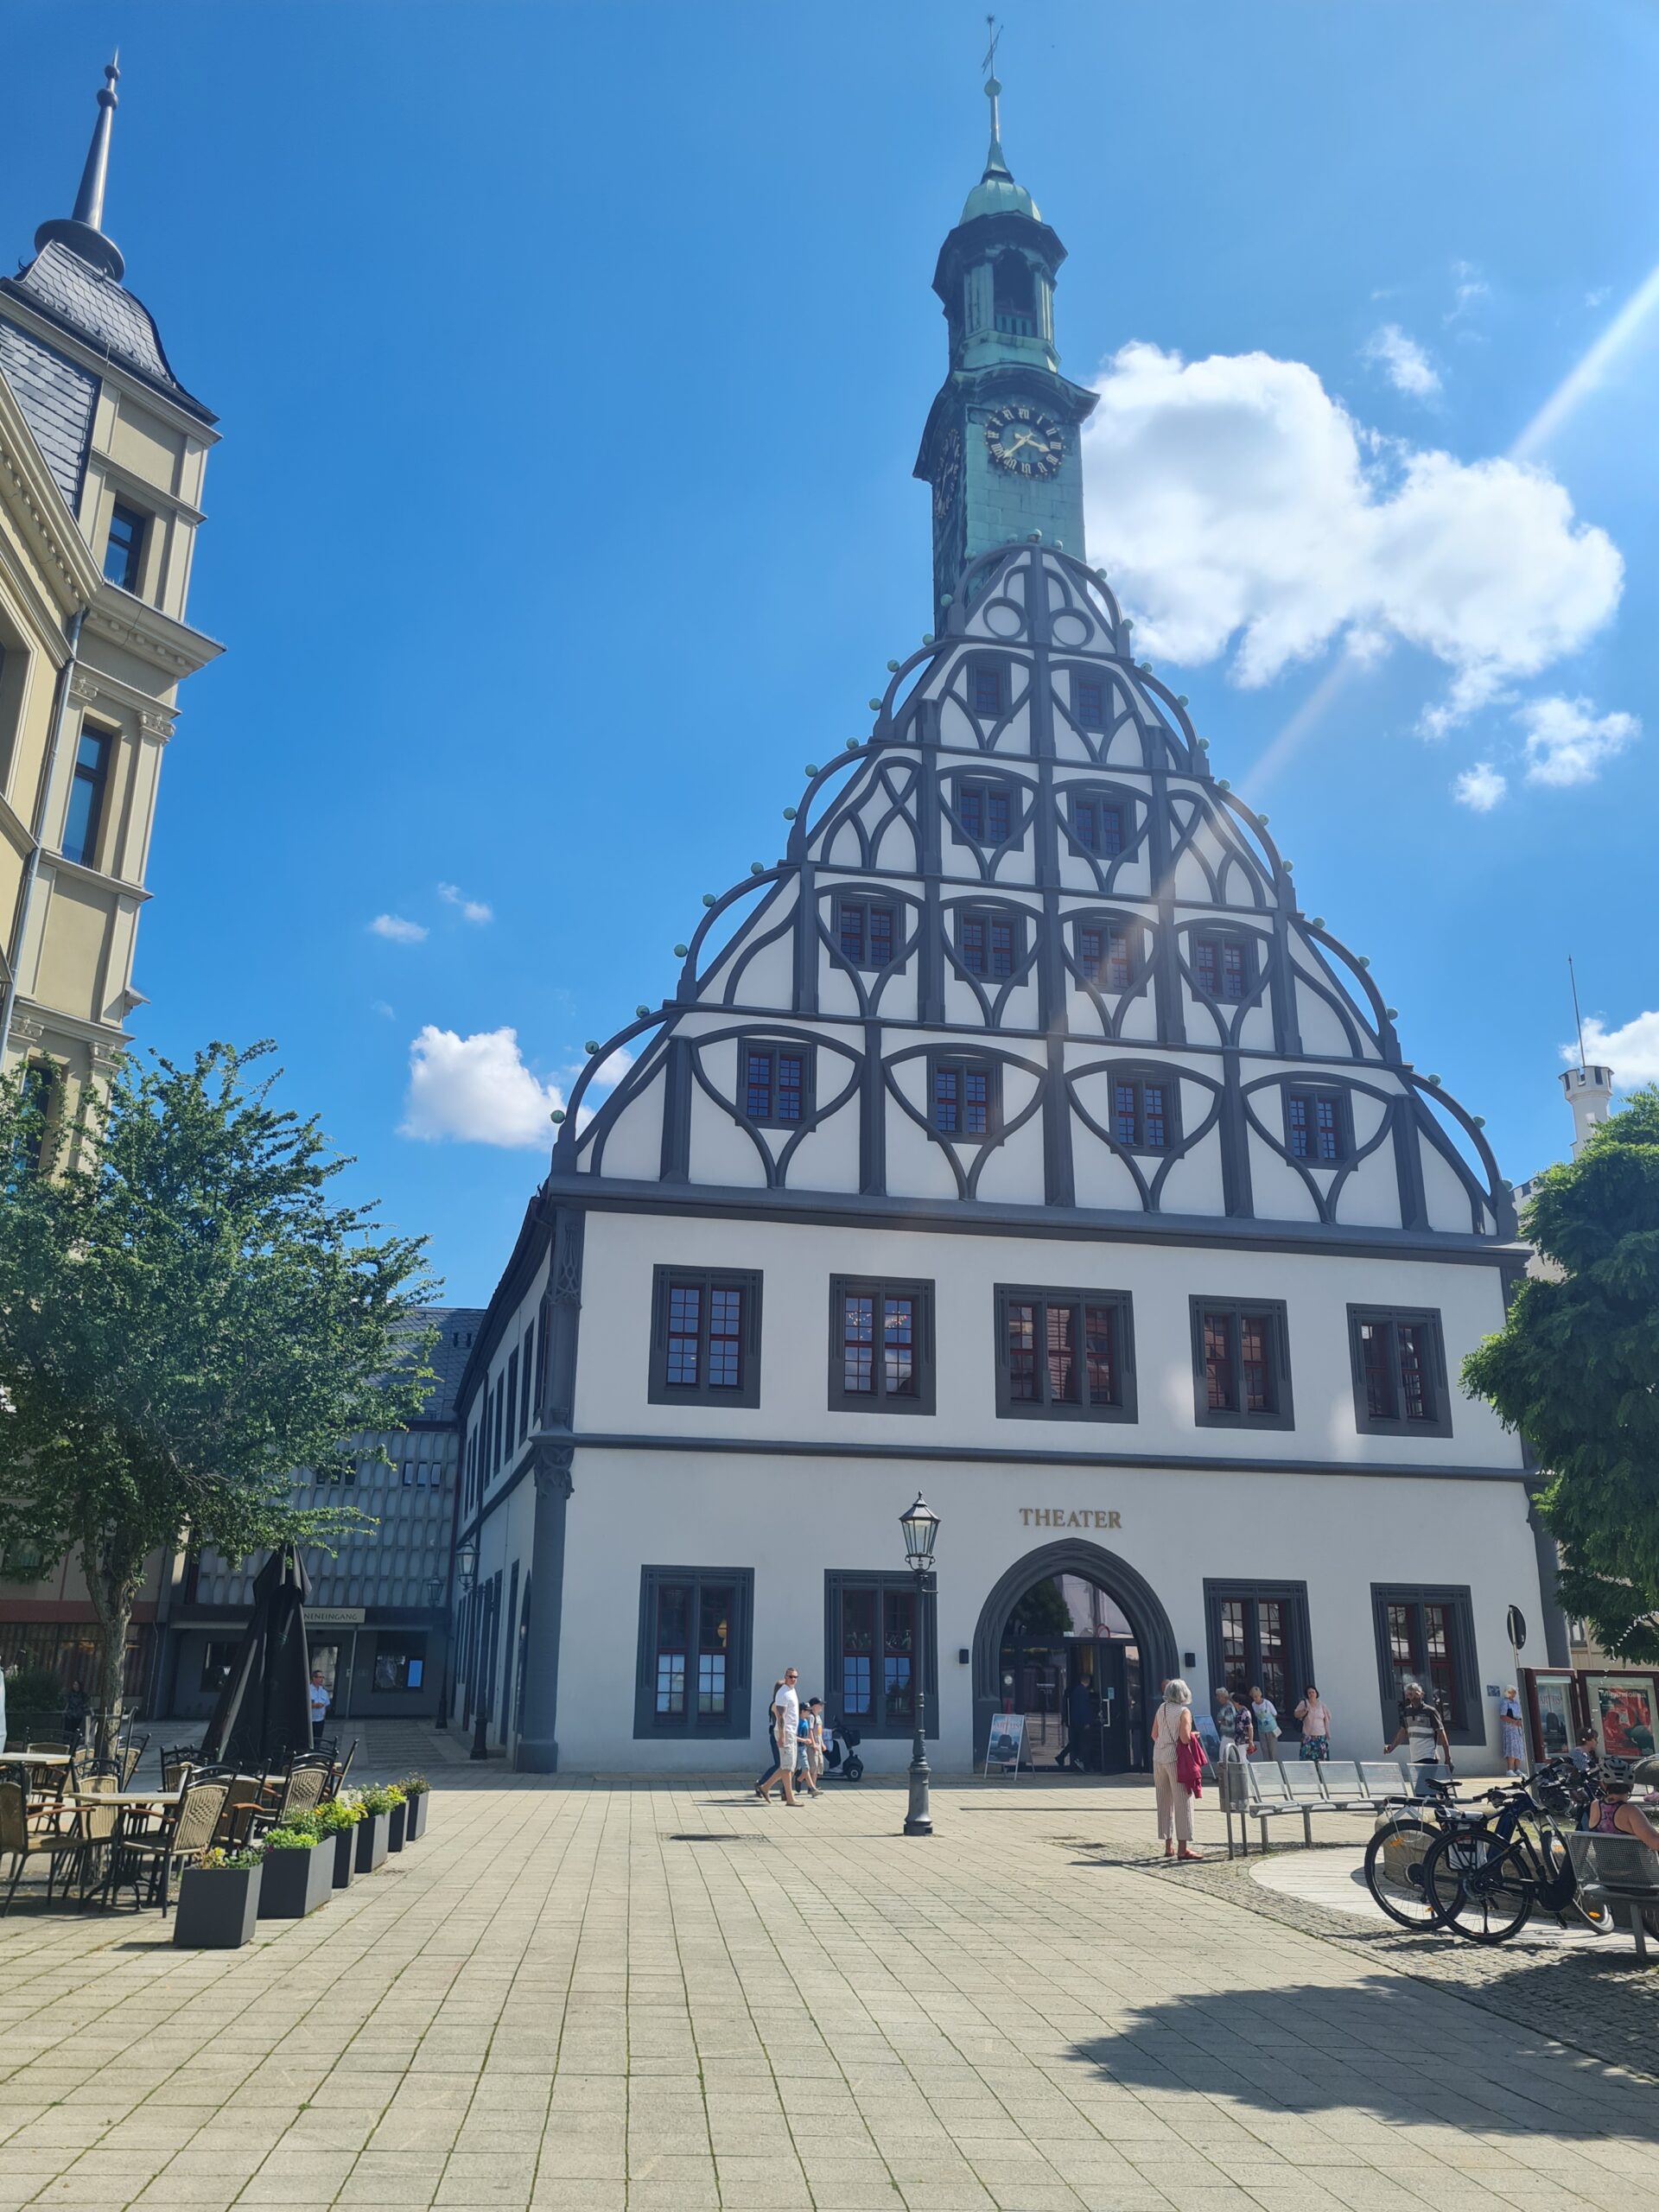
{"type": "Point", "coordinates": [1106, 953]}
{"type": "Point", "coordinates": [776, 1083]}
{"type": "Point", "coordinates": [124, 548]}
{"type": "Point", "coordinates": [880, 1345]}
{"type": "Point", "coordinates": [965, 1094]}
{"type": "Point", "coordinates": [1316, 1126]}
{"type": "Point", "coordinates": [990, 941]}
{"type": "Point", "coordinates": [1241, 1363]}
{"type": "Point", "coordinates": [87, 789]}
{"type": "Point", "coordinates": [705, 1338]}
{"type": "Point", "coordinates": [864, 930]}
{"type": "Point", "coordinates": [1065, 1353]}
{"type": "Point", "coordinates": [1088, 702]}
{"type": "Point", "coordinates": [1224, 967]}
{"type": "Point", "coordinates": [1399, 1361]}
{"type": "Point", "coordinates": [1098, 824]}
{"type": "Point", "coordinates": [1143, 1116]}
{"type": "Point", "coordinates": [985, 689]}
{"type": "Point", "coordinates": [985, 811]}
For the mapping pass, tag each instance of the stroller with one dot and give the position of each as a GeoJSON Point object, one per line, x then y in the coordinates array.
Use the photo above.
{"type": "Point", "coordinates": [840, 1755]}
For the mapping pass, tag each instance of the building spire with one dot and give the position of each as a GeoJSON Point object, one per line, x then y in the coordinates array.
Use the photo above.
{"type": "Point", "coordinates": [994, 164]}
{"type": "Point", "coordinates": [83, 232]}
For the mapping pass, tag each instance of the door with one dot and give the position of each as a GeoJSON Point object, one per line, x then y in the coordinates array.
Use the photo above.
{"type": "Point", "coordinates": [1112, 1725]}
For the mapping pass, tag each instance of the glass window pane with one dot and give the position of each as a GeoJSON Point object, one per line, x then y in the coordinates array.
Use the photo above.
{"type": "Point", "coordinates": [899, 1342]}
{"type": "Point", "coordinates": [1437, 1639]}
{"type": "Point", "coordinates": [1327, 1128]}
{"type": "Point", "coordinates": [971, 806]}
{"type": "Point", "coordinates": [976, 1101]}
{"type": "Point", "coordinates": [1218, 1362]}
{"type": "Point", "coordinates": [725, 1338]}
{"type": "Point", "coordinates": [758, 1088]}
{"type": "Point", "coordinates": [1111, 830]}
{"type": "Point", "coordinates": [1232, 971]}
{"type": "Point", "coordinates": [684, 1328]}
{"type": "Point", "coordinates": [897, 1610]}
{"type": "Point", "coordinates": [1062, 1354]}
{"type": "Point", "coordinates": [880, 937]}
{"type": "Point", "coordinates": [673, 1615]}
{"type": "Point", "coordinates": [1415, 1403]}
{"type": "Point", "coordinates": [1233, 1659]}
{"type": "Point", "coordinates": [1376, 1365]}
{"type": "Point", "coordinates": [1090, 955]}
{"type": "Point", "coordinates": [858, 1343]}
{"type": "Point", "coordinates": [1084, 829]}
{"type": "Point", "coordinates": [970, 945]}
{"type": "Point", "coordinates": [1153, 1113]}
{"type": "Point", "coordinates": [1001, 947]}
{"type": "Point", "coordinates": [716, 1606]}
{"type": "Point", "coordinates": [1204, 965]}
{"type": "Point", "coordinates": [1296, 1125]}
{"type": "Point", "coordinates": [945, 1099]}
{"type": "Point", "coordinates": [852, 931]}
{"type": "Point", "coordinates": [1099, 1346]}
{"type": "Point", "coordinates": [857, 1650]}
{"type": "Point", "coordinates": [791, 1086]}
{"type": "Point", "coordinates": [1125, 1102]}
{"type": "Point", "coordinates": [1256, 1361]}
{"type": "Point", "coordinates": [997, 813]}
{"type": "Point", "coordinates": [1090, 700]}
{"type": "Point", "coordinates": [1023, 1385]}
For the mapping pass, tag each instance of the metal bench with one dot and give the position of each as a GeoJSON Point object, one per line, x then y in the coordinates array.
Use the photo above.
{"type": "Point", "coordinates": [1342, 1785]}
{"type": "Point", "coordinates": [1624, 1875]}
{"type": "Point", "coordinates": [1385, 1781]}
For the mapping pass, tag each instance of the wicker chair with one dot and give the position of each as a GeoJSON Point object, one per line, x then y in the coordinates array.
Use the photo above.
{"type": "Point", "coordinates": [301, 1791]}
{"type": "Point", "coordinates": [23, 1840]}
{"type": "Point", "coordinates": [177, 1763]}
{"type": "Point", "coordinates": [187, 1832]}
{"type": "Point", "coordinates": [339, 1771]}
{"type": "Point", "coordinates": [244, 1798]}
{"type": "Point", "coordinates": [136, 1746]}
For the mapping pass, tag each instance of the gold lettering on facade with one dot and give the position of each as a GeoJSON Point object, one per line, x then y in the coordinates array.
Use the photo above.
{"type": "Point", "coordinates": [1055, 1516]}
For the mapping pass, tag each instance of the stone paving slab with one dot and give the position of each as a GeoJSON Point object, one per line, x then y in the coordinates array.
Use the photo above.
{"type": "Point", "coordinates": [557, 1999]}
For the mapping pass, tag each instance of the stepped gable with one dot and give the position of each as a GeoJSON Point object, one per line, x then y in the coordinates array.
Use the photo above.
{"type": "Point", "coordinates": [1219, 992]}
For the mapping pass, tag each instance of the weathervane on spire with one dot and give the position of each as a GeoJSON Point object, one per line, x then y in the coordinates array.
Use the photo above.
{"type": "Point", "coordinates": [993, 90]}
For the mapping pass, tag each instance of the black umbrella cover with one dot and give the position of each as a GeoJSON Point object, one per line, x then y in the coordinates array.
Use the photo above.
{"type": "Point", "coordinates": [262, 1718]}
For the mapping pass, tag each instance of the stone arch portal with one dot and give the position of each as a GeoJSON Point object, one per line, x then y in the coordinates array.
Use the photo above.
{"type": "Point", "coordinates": [1159, 1656]}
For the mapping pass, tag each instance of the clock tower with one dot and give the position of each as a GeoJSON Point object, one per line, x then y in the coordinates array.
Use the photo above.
{"type": "Point", "coordinates": [1000, 446]}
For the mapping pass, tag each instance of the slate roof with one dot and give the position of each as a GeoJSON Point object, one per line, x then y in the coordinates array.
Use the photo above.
{"type": "Point", "coordinates": [68, 291]}
{"type": "Point", "coordinates": [57, 396]}
{"type": "Point", "coordinates": [457, 1326]}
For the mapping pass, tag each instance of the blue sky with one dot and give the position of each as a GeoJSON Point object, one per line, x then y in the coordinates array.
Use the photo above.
{"type": "Point", "coordinates": [572, 361]}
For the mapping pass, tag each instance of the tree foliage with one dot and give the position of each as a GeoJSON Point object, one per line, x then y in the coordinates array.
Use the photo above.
{"type": "Point", "coordinates": [1576, 1370]}
{"type": "Point", "coordinates": [187, 1316]}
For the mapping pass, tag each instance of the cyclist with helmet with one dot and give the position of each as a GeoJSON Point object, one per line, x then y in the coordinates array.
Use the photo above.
{"type": "Point", "coordinates": [1613, 1814]}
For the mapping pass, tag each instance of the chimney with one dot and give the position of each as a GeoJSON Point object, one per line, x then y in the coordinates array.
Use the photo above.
{"type": "Point", "coordinates": [1589, 1093]}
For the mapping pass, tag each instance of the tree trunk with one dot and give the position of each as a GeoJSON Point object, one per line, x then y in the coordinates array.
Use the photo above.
{"type": "Point", "coordinates": [113, 1573]}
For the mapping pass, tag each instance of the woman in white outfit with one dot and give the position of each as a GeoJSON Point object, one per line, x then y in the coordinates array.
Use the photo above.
{"type": "Point", "coordinates": [1171, 1726]}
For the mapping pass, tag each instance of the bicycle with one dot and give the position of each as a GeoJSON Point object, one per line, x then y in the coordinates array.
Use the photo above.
{"type": "Point", "coordinates": [1486, 1880]}
{"type": "Point", "coordinates": [1398, 1852]}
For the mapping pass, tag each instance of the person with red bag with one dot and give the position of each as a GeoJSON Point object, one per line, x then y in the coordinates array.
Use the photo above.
{"type": "Point", "coordinates": [1177, 1769]}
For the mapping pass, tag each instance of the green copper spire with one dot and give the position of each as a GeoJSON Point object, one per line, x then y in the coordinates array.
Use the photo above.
{"type": "Point", "coordinates": [996, 193]}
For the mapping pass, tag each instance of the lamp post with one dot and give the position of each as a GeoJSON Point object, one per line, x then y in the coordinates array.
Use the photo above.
{"type": "Point", "coordinates": [465, 1567]}
{"type": "Point", "coordinates": [921, 1525]}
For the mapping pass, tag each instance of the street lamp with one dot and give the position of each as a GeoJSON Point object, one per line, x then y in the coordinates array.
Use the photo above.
{"type": "Point", "coordinates": [921, 1526]}
{"type": "Point", "coordinates": [466, 1568]}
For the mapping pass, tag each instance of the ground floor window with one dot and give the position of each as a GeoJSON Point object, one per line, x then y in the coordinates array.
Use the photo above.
{"type": "Point", "coordinates": [693, 1676]}
{"type": "Point", "coordinates": [1258, 1639]}
{"type": "Point", "coordinates": [1427, 1636]}
{"type": "Point", "coordinates": [877, 1633]}
{"type": "Point", "coordinates": [400, 1663]}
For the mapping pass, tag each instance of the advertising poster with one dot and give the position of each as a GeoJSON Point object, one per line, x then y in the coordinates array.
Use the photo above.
{"type": "Point", "coordinates": [1624, 1712]}
{"type": "Point", "coordinates": [1555, 1729]}
{"type": "Point", "coordinates": [1007, 1743]}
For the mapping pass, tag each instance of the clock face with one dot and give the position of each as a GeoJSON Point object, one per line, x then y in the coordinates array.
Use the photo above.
{"type": "Point", "coordinates": [1025, 441]}
{"type": "Point", "coordinates": [947, 474]}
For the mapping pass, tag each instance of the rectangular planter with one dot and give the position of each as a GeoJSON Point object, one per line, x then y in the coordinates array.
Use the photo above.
{"type": "Point", "coordinates": [415, 1825]}
{"type": "Point", "coordinates": [397, 1816]}
{"type": "Point", "coordinates": [297, 1882]}
{"type": "Point", "coordinates": [374, 1838]}
{"type": "Point", "coordinates": [345, 1843]}
{"type": "Point", "coordinates": [217, 1907]}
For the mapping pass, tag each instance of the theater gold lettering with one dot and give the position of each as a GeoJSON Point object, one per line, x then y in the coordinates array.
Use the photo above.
{"type": "Point", "coordinates": [1055, 1516]}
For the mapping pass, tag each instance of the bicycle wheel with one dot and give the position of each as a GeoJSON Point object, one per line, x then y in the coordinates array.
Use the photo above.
{"type": "Point", "coordinates": [1560, 1891]}
{"type": "Point", "coordinates": [1395, 1858]}
{"type": "Point", "coordinates": [1481, 1886]}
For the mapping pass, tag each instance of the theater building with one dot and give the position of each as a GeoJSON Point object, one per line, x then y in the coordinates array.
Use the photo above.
{"type": "Point", "coordinates": [1016, 1138]}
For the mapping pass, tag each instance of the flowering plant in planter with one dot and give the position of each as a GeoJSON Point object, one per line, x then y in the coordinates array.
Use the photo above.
{"type": "Point", "coordinates": [218, 1900]}
{"type": "Point", "coordinates": [297, 1834]}
{"type": "Point", "coordinates": [418, 1790]}
{"type": "Point", "coordinates": [220, 1861]}
{"type": "Point", "coordinates": [338, 1817]}
{"type": "Point", "coordinates": [381, 1796]}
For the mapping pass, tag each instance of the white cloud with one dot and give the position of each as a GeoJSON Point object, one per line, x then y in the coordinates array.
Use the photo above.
{"type": "Point", "coordinates": [472, 910]}
{"type": "Point", "coordinates": [1469, 288]}
{"type": "Point", "coordinates": [1632, 1053]}
{"type": "Point", "coordinates": [475, 1090]}
{"type": "Point", "coordinates": [612, 1069]}
{"type": "Point", "coordinates": [1241, 509]}
{"type": "Point", "coordinates": [1600, 296]}
{"type": "Point", "coordinates": [386, 1011]}
{"type": "Point", "coordinates": [1408, 367]}
{"type": "Point", "coordinates": [1568, 742]}
{"type": "Point", "coordinates": [399, 931]}
{"type": "Point", "coordinates": [1480, 787]}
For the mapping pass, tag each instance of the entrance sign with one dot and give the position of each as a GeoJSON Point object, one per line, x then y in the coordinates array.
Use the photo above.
{"type": "Point", "coordinates": [334, 1615]}
{"type": "Point", "coordinates": [1007, 1743]}
{"type": "Point", "coordinates": [1055, 1516]}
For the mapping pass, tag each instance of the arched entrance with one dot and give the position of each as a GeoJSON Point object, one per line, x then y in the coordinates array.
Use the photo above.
{"type": "Point", "coordinates": [1099, 1623]}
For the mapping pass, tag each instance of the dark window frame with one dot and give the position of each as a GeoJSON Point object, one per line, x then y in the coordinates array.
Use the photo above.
{"type": "Point", "coordinates": [1466, 1722]}
{"type": "Point", "coordinates": [1248, 943]}
{"type": "Point", "coordinates": [1081, 716]}
{"type": "Point", "coordinates": [1139, 1077]}
{"type": "Point", "coordinates": [776, 1048]}
{"type": "Point", "coordinates": [894, 908]}
{"type": "Point", "coordinates": [997, 672]}
{"type": "Point", "coordinates": [942, 1060]}
{"type": "Point", "coordinates": [1010, 1408]}
{"type": "Point", "coordinates": [1310, 1096]}
{"type": "Point", "coordinates": [734, 1721]}
{"type": "Point", "coordinates": [661, 1392]}
{"type": "Point", "coordinates": [1426, 1318]}
{"type": "Point", "coordinates": [838, 1584]}
{"type": "Point", "coordinates": [1283, 1416]}
{"type": "Point", "coordinates": [129, 549]}
{"type": "Point", "coordinates": [1123, 801]}
{"type": "Point", "coordinates": [1298, 1666]}
{"type": "Point", "coordinates": [1133, 931]}
{"type": "Point", "coordinates": [988, 913]}
{"type": "Point", "coordinates": [94, 779]}
{"type": "Point", "coordinates": [988, 783]}
{"type": "Point", "coordinates": [924, 1347]}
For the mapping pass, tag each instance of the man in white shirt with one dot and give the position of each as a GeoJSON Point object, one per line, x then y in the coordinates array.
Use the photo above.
{"type": "Point", "coordinates": [787, 1719]}
{"type": "Point", "coordinates": [319, 1703]}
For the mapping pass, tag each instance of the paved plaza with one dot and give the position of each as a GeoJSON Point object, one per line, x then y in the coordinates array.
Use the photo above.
{"type": "Point", "coordinates": [600, 1996]}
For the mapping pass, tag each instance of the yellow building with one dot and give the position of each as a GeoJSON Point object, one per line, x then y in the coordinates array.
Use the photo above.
{"type": "Point", "coordinates": [102, 452]}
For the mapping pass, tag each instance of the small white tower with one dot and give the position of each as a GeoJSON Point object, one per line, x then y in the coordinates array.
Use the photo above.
{"type": "Point", "coordinates": [1589, 1092]}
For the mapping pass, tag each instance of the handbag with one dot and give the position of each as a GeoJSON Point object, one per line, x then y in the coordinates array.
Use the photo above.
{"type": "Point", "coordinates": [1189, 1763]}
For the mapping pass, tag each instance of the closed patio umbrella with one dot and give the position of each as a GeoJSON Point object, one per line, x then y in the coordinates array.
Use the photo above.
{"type": "Point", "coordinates": [262, 1718]}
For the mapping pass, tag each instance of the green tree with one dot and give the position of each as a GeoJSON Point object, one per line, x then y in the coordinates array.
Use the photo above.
{"type": "Point", "coordinates": [1576, 1372]}
{"type": "Point", "coordinates": [186, 1318]}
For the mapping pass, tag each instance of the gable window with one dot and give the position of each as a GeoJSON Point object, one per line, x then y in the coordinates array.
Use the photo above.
{"type": "Point", "coordinates": [1427, 1636]}
{"type": "Point", "coordinates": [985, 690]}
{"type": "Point", "coordinates": [1064, 1354]}
{"type": "Point", "coordinates": [990, 941]}
{"type": "Point", "coordinates": [1097, 825]}
{"type": "Point", "coordinates": [775, 1083]}
{"type": "Point", "coordinates": [1088, 702]}
{"type": "Point", "coordinates": [692, 1674]}
{"type": "Point", "coordinates": [964, 1096]}
{"type": "Point", "coordinates": [880, 1345]}
{"type": "Point", "coordinates": [877, 1630]}
{"type": "Point", "coordinates": [1224, 967]}
{"type": "Point", "coordinates": [705, 1338]}
{"type": "Point", "coordinates": [1316, 1126]}
{"type": "Point", "coordinates": [1106, 953]}
{"type": "Point", "coordinates": [1143, 1113]}
{"type": "Point", "coordinates": [1241, 1363]}
{"type": "Point", "coordinates": [864, 930]}
{"type": "Point", "coordinates": [1399, 1363]}
{"type": "Point", "coordinates": [86, 788]}
{"type": "Point", "coordinates": [124, 548]}
{"type": "Point", "coordinates": [986, 812]}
